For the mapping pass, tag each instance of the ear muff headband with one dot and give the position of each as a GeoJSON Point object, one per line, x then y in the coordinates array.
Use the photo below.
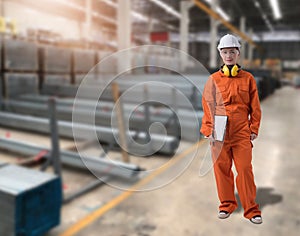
{"type": "Point", "coordinates": [234, 70]}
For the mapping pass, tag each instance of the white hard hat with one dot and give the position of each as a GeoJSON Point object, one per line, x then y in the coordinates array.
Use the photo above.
{"type": "Point", "coordinates": [229, 41]}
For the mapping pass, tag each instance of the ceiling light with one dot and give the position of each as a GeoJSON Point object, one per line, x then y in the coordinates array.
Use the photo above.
{"type": "Point", "coordinates": [219, 10]}
{"type": "Point", "coordinates": [256, 3]}
{"type": "Point", "coordinates": [110, 3]}
{"type": "Point", "coordinates": [107, 19]}
{"type": "Point", "coordinates": [223, 14]}
{"type": "Point", "coordinates": [264, 16]}
{"type": "Point", "coordinates": [167, 8]}
{"type": "Point", "coordinates": [276, 10]}
{"type": "Point", "coordinates": [139, 16]}
{"type": "Point", "coordinates": [71, 4]}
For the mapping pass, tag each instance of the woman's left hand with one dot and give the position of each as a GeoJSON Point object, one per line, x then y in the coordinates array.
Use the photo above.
{"type": "Point", "coordinates": [253, 136]}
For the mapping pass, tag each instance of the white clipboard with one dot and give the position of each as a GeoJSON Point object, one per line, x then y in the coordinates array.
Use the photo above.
{"type": "Point", "coordinates": [220, 127]}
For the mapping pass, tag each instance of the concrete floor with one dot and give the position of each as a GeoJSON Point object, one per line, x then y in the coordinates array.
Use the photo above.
{"type": "Point", "coordinates": [189, 205]}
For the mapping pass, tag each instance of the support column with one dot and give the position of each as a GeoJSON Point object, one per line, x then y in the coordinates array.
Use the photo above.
{"type": "Point", "coordinates": [213, 38]}
{"type": "Point", "coordinates": [213, 43]}
{"type": "Point", "coordinates": [2, 13]}
{"type": "Point", "coordinates": [250, 48]}
{"type": "Point", "coordinates": [88, 19]}
{"type": "Point", "coordinates": [184, 32]}
{"type": "Point", "coordinates": [243, 30]}
{"type": "Point", "coordinates": [124, 33]}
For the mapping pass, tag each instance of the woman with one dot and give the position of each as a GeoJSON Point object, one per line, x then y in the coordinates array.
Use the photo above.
{"type": "Point", "coordinates": [232, 92]}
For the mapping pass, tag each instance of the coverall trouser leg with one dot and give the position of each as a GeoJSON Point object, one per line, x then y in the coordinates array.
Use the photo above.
{"type": "Point", "coordinates": [241, 154]}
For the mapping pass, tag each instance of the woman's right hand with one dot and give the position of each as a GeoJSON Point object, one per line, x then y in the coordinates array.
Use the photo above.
{"type": "Point", "coordinates": [211, 139]}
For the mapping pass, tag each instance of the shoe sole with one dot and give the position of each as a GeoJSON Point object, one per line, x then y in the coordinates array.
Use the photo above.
{"type": "Point", "coordinates": [256, 222]}
{"type": "Point", "coordinates": [222, 217]}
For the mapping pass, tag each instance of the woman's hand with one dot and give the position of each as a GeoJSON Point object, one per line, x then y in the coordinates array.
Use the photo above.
{"type": "Point", "coordinates": [253, 136]}
{"type": "Point", "coordinates": [211, 139]}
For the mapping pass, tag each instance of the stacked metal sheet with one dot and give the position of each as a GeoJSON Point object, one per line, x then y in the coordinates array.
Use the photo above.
{"type": "Point", "coordinates": [107, 66]}
{"type": "Point", "coordinates": [82, 78]}
{"type": "Point", "coordinates": [56, 60]}
{"type": "Point", "coordinates": [57, 79]}
{"type": "Point", "coordinates": [84, 60]}
{"type": "Point", "coordinates": [18, 84]}
{"type": "Point", "coordinates": [20, 55]}
{"type": "Point", "coordinates": [30, 201]}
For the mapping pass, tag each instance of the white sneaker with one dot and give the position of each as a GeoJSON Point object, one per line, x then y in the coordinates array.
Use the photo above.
{"type": "Point", "coordinates": [256, 219]}
{"type": "Point", "coordinates": [223, 214]}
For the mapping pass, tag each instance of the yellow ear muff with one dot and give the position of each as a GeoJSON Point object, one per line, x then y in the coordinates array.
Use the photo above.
{"type": "Point", "coordinates": [225, 70]}
{"type": "Point", "coordinates": [234, 70]}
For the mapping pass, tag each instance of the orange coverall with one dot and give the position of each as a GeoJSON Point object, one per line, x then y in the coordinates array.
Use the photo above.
{"type": "Point", "coordinates": [237, 98]}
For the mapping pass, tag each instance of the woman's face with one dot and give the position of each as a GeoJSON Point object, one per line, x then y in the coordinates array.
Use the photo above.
{"type": "Point", "coordinates": [229, 55]}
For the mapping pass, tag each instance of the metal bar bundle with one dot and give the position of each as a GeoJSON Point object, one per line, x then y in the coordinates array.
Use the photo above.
{"type": "Point", "coordinates": [89, 92]}
{"type": "Point", "coordinates": [104, 134]}
{"type": "Point", "coordinates": [189, 120]}
{"type": "Point", "coordinates": [102, 118]}
{"type": "Point", "coordinates": [95, 164]}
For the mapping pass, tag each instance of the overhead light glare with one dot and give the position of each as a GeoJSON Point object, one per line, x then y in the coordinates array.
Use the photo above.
{"type": "Point", "coordinates": [276, 10]}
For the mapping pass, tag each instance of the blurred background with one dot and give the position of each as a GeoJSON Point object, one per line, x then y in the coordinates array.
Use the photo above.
{"type": "Point", "coordinates": [81, 78]}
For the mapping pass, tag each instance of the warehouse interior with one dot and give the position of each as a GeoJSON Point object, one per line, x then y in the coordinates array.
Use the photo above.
{"type": "Point", "coordinates": [101, 107]}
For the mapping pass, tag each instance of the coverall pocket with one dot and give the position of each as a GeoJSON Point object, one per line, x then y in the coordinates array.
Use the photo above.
{"type": "Point", "coordinates": [244, 93]}
{"type": "Point", "coordinates": [221, 95]}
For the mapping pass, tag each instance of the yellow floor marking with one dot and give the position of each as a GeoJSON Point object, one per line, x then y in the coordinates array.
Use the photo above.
{"type": "Point", "coordinates": [81, 224]}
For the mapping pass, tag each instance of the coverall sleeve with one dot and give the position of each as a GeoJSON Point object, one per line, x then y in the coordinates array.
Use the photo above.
{"type": "Point", "coordinates": [255, 111]}
{"type": "Point", "coordinates": [208, 104]}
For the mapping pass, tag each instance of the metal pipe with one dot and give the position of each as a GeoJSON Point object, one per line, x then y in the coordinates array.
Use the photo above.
{"type": "Point", "coordinates": [64, 103]}
{"type": "Point", "coordinates": [160, 114]}
{"type": "Point", "coordinates": [95, 164]}
{"type": "Point", "coordinates": [90, 92]}
{"type": "Point", "coordinates": [102, 118]}
{"type": "Point", "coordinates": [104, 134]}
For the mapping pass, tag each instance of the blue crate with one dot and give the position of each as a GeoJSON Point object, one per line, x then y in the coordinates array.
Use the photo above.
{"type": "Point", "coordinates": [30, 201]}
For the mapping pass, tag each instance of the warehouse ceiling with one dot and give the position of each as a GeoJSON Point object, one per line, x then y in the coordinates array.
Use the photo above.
{"type": "Point", "coordinates": [258, 13]}
{"type": "Point", "coordinates": [235, 9]}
